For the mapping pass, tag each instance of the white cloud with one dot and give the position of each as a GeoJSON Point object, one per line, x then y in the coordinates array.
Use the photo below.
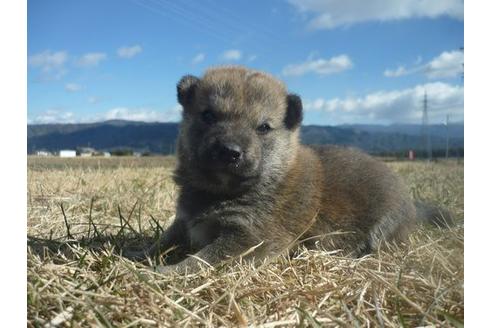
{"type": "Point", "coordinates": [329, 14]}
{"type": "Point", "coordinates": [398, 106]}
{"type": "Point", "coordinates": [53, 116]}
{"type": "Point", "coordinates": [51, 64]}
{"type": "Point", "coordinates": [140, 114]}
{"type": "Point", "coordinates": [172, 114]}
{"type": "Point", "coordinates": [143, 114]}
{"type": "Point", "coordinates": [48, 60]}
{"type": "Point", "coordinates": [319, 66]}
{"type": "Point", "coordinates": [93, 100]}
{"type": "Point", "coordinates": [129, 52]}
{"type": "Point", "coordinates": [73, 87]}
{"type": "Point", "coordinates": [252, 58]}
{"type": "Point", "coordinates": [91, 59]}
{"type": "Point", "coordinates": [232, 54]}
{"type": "Point", "coordinates": [198, 58]}
{"type": "Point", "coordinates": [400, 71]}
{"type": "Point", "coordinates": [447, 65]}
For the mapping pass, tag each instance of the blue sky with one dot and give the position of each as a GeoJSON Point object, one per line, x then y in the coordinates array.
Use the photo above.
{"type": "Point", "coordinates": [351, 61]}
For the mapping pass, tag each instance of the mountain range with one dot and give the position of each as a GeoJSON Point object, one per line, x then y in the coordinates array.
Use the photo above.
{"type": "Point", "coordinates": [160, 138]}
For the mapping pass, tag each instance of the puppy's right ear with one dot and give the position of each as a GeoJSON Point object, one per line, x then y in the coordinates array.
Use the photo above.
{"type": "Point", "coordinates": [293, 117]}
{"type": "Point", "coordinates": [186, 89]}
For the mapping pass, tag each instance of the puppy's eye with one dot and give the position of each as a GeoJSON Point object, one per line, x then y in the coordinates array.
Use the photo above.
{"type": "Point", "coordinates": [209, 117]}
{"type": "Point", "coordinates": [264, 128]}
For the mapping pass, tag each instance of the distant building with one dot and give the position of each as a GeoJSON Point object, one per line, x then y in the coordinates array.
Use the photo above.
{"type": "Point", "coordinates": [43, 153]}
{"type": "Point", "coordinates": [106, 154]}
{"type": "Point", "coordinates": [86, 151]}
{"type": "Point", "coordinates": [68, 153]}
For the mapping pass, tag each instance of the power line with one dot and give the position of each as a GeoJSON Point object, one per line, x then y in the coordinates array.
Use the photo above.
{"type": "Point", "coordinates": [217, 21]}
{"type": "Point", "coordinates": [190, 16]}
{"type": "Point", "coordinates": [182, 19]}
{"type": "Point", "coordinates": [259, 29]}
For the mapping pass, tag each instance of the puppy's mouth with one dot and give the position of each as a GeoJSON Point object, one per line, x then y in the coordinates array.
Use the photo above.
{"type": "Point", "coordinates": [241, 170]}
{"type": "Point", "coordinates": [243, 177]}
{"type": "Point", "coordinates": [230, 179]}
{"type": "Point", "coordinates": [230, 173]}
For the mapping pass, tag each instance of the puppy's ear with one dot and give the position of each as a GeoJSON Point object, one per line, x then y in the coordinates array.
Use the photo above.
{"type": "Point", "coordinates": [186, 89]}
{"type": "Point", "coordinates": [293, 116]}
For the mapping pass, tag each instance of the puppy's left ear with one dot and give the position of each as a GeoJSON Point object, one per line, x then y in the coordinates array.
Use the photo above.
{"type": "Point", "coordinates": [186, 89]}
{"type": "Point", "coordinates": [293, 116]}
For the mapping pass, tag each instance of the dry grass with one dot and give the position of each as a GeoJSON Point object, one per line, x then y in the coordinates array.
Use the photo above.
{"type": "Point", "coordinates": [76, 276]}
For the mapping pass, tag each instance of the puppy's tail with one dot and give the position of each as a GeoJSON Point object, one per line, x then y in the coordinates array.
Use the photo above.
{"type": "Point", "coordinates": [434, 215]}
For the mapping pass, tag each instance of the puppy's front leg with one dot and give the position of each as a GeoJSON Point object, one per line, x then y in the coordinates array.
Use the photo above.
{"type": "Point", "coordinates": [174, 236]}
{"type": "Point", "coordinates": [228, 245]}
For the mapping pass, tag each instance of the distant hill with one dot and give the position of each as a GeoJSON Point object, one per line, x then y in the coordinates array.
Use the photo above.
{"type": "Point", "coordinates": [104, 136]}
{"type": "Point", "coordinates": [456, 130]}
{"type": "Point", "coordinates": [161, 137]}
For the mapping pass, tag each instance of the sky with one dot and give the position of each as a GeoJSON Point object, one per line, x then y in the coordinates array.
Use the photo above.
{"type": "Point", "coordinates": [351, 61]}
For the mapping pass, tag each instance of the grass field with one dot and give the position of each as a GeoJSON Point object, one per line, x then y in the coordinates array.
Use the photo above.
{"type": "Point", "coordinates": [82, 211]}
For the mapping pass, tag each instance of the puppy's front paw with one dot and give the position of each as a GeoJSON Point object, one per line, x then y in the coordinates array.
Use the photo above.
{"type": "Point", "coordinates": [134, 255]}
{"type": "Point", "coordinates": [165, 269]}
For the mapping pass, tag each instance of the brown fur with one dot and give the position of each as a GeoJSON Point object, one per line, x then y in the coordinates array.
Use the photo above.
{"type": "Point", "coordinates": [278, 191]}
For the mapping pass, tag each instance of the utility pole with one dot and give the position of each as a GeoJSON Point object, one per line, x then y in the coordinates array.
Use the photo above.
{"type": "Point", "coordinates": [447, 136]}
{"type": "Point", "coordinates": [425, 129]}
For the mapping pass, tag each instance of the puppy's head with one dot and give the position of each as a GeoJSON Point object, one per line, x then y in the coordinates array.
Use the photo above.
{"type": "Point", "coordinates": [240, 128]}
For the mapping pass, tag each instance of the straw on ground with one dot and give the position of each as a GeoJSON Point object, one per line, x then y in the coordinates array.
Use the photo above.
{"type": "Point", "coordinates": [82, 212]}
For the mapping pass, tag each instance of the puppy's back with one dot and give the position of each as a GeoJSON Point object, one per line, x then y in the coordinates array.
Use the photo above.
{"type": "Point", "coordinates": [363, 198]}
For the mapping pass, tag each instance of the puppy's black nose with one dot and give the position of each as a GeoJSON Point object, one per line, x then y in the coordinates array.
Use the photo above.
{"type": "Point", "coordinates": [230, 153]}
